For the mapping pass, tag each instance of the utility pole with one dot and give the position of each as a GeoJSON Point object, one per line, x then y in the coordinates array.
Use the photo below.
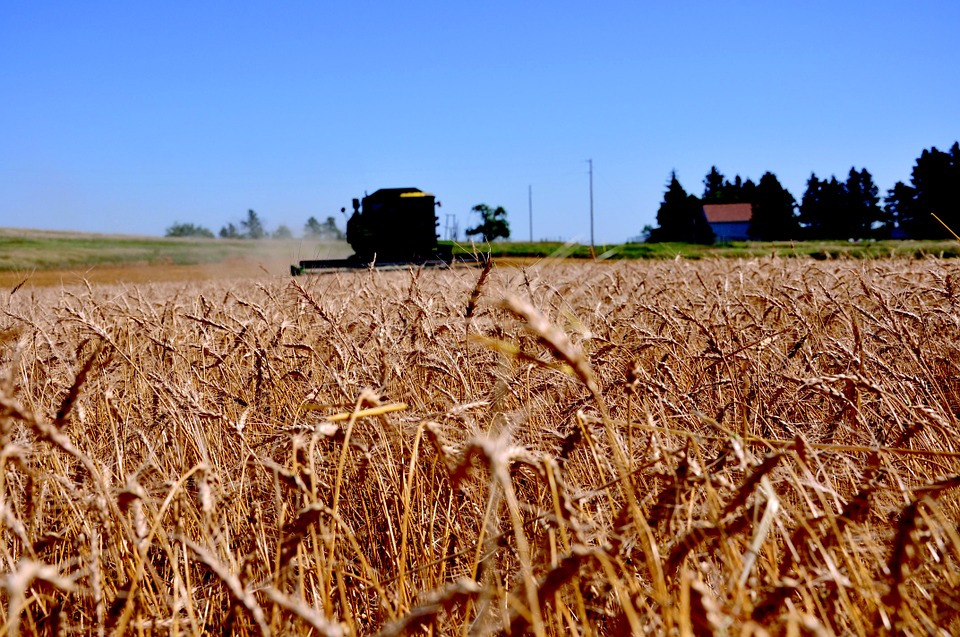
{"type": "Point", "coordinates": [451, 227]}
{"type": "Point", "coordinates": [530, 207]}
{"type": "Point", "coordinates": [590, 161]}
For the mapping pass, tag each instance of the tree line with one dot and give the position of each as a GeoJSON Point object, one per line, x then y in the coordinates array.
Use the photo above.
{"type": "Point", "coordinates": [493, 225]}
{"type": "Point", "coordinates": [252, 227]}
{"type": "Point", "coordinates": [829, 209]}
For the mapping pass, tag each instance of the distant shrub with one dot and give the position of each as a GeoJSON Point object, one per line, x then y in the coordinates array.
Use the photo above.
{"type": "Point", "coordinates": [188, 230]}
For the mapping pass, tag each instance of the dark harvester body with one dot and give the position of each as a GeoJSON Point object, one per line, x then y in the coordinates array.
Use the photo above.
{"type": "Point", "coordinates": [393, 227]}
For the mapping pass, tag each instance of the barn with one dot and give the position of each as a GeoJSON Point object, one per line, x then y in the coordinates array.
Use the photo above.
{"type": "Point", "coordinates": [729, 221]}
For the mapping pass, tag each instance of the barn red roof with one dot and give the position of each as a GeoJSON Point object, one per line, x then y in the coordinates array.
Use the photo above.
{"type": "Point", "coordinates": [728, 212]}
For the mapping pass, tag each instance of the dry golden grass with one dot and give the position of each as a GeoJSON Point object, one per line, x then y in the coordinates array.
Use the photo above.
{"type": "Point", "coordinates": [707, 448]}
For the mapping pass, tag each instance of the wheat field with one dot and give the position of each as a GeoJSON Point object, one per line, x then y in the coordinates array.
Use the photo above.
{"type": "Point", "coordinates": [672, 448]}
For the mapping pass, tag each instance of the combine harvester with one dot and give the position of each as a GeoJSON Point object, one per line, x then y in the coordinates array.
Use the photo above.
{"type": "Point", "coordinates": [394, 228]}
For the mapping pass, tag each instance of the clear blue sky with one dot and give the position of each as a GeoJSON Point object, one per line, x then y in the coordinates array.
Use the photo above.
{"type": "Point", "coordinates": [128, 116]}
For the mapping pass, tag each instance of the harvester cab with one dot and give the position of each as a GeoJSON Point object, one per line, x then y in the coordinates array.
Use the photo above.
{"type": "Point", "coordinates": [394, 225]}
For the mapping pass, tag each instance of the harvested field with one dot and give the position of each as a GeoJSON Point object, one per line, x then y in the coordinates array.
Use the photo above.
{"type": "Point", "coordinates": [693, 448]}
{"type": "Point", "coordinates": [141, 273]}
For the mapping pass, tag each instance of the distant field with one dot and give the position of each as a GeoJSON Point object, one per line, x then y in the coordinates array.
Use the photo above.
{"type": "Point", "coordinates": [44, 257]}
{"type": "Point", "coordinates": [48, 257]}
{"type": "Point", "coordinates": [820, 250]}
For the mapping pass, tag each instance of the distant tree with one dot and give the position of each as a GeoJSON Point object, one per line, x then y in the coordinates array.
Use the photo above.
{"type": "Point", "coordinates": [680, 217]}
{"type": "Point", "coordinates": [713, 186]}
{"type": "Point", "coordinates": [745, 192]}
{"type": "Point", "coordinates": [821, 209]}
{"type": "Point", "coordinates": [229, 231]}
{"type": "Point", "coordinates": [736, 191]}
{"type": "Point", "coordinates": [898, 207]}
{"type": "Point", "coordinates": [733, 191]}
{"type": "Point", "coordinates": [833, 209]}
{"type": "Point", "coordinates": [493, 223]}
{"type": "Point", "coordinates": [862, 210]}
{"type": "Point", "coordinates": [935, 182]}
{"type": "Point", "coordinates": [331, 231]}
{"type": "Point", "coordinates": [719, 190]}
{"type": "Point", "coordinates": [311, 229]}
{"type": "Point", "coordinates": [810, 212]}
{"type": "Point", "coordinates": [253, 226]}
{"type": "Point", "coordinates": [282, 232]}
{"type": "Point", "coordinates": [843, 209]}
{"type": "Point", "coordinates": [774, 211]}
{"type": "Point", "coordinates": [327, 231]}
{"type": "Point", "coordinates": [188, 230]}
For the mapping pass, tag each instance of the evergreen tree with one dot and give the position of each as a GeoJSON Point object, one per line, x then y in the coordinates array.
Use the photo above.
{"type": "Point", "coordinates": [899, 206]}
{"type": "Point", "coordinates": [746, 192]}
{"type": "Point", "coordinates": [713, 186]}
{"type": "Point", "coordinates": [774, 217]}
{"type": "Point", "coordinates": [719, 190]}
{"type": "Point", "coordinates": [680, 217]}
{"type": "Point", "coordinates": [832, 210]}
{"type": "Point", "coordinates": [253, 225]}
{"type": "Point", "coordinates": [834, 202]}
{"type": "Point", "coordinates": [862, 210]}
{"type": "Point", "coordinates": [936, 190]}
{"type": "Point", "coordinates": [331, 231]}
{"type": "Point", "coordinates": [229, 231]}
{"type": "Point", "coordinates": [822, 209]}
{"type": "Point", "coordinates": [312, 229]}
{"type": "Point", "coordinates": [737, 191]}
{"type": "Point", "coordinates": [811, 210]}
{"type": "Point", "coordinates": [327, 231]}
{"type": "Point", "coordinates": [733, 191]}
